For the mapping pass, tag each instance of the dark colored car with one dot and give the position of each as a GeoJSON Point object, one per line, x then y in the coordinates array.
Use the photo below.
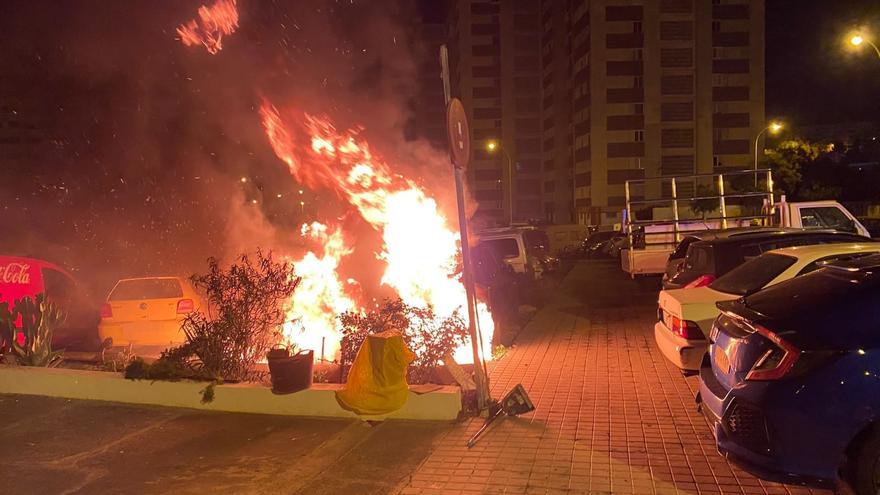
{"type": "Point", "coordinates": [593, 245]}
{"type": "Point", "coordinates": [676, 258]}
{"type": "Point", "coordinates": [791, 383]}
{"type": "Point", "coordinates": [707, 260]}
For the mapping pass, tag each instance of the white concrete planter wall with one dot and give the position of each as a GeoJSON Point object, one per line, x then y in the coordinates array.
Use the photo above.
{"type": "Point", "coordinates": [320, 400]}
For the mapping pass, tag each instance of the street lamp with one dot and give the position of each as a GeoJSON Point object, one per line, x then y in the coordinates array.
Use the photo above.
{"type": "Point", "coordinates": [491, 147]}
{"type": "Point", "coordinates": [774, 128]}
{"type": "Point", "coordinates": [858, 39]}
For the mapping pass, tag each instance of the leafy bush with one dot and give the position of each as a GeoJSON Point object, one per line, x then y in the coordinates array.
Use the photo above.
{"type": "Point", "coordinates": [39, 319]}
{"type": "Point", "coordinates": [428, 336]}
{"type": "Point", "coordinates": [249, 298]}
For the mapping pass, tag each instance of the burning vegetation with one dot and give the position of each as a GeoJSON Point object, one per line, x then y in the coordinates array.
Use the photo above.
{"type": "Point", "coordinates": [419, 249]}
{"type": "Point", "coordinates": [214, 22]}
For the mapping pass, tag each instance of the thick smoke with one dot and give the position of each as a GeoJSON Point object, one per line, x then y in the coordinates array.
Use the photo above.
{"type": "Point", "coordinates": [141, 143]}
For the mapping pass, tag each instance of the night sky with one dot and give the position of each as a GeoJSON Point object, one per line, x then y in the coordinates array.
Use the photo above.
{"type": "Point", "coordinates": [144, 140]}
{"type": "Point", "coordinates": [812, 76]}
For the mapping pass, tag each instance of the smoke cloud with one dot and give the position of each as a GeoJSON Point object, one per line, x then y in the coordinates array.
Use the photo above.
{"type": "Point", "coordinates": [138, 155]}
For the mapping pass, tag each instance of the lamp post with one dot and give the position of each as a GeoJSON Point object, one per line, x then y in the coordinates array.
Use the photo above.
{"type": "Point", "coordinates": [774, 127]}
{"type": "Point", "coordinates": [858, 39]}
{"type": "Point", "coordinates": [492, 146]}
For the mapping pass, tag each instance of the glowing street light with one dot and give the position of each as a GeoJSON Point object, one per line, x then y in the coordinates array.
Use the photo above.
{"type": "Point", "coordinates": [491, 147]}
{"type": "Point", "coordinates": [775, 127]}
{"type": "Point", "coordinates": [244, 179]}
{"type": "Point", "coordinates": [858, 39]}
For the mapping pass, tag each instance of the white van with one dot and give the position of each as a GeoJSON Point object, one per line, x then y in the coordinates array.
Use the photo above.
{"type": "Point", "coordinates": [525, 249]}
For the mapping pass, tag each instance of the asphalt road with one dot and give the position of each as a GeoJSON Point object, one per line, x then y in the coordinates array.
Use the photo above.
{"type": "Point", "coordinates": [59, 446]}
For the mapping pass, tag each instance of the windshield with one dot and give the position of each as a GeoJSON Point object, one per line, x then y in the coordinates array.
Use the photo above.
{"type": "Point", "coordinates": [146, 288]}
{"type": "Point", "coordinates": [753, 274]}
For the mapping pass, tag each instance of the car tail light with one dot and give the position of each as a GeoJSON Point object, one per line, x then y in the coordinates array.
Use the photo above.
{"type": "Point", "coordinates": [777, 361]}
{"type": "Point", "coordinates": [701, 281]}
{"type": "Point", "coordinates": [106, 311]}
{"type": "Point", "coordinates": [185, 306]}
{"type": "Point", "coordinates": [686, 329]}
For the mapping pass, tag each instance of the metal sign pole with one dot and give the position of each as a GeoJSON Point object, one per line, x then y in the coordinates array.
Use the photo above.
{"type": "Point", "coordinates": [459, 142]}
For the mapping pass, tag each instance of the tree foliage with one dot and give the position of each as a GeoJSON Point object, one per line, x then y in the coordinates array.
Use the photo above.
{"type": "Point", "coordinates": [787, 161]}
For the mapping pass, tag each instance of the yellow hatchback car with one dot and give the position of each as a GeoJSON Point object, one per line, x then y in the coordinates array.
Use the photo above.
{"type": "Point", "coordinates": [147, 311]}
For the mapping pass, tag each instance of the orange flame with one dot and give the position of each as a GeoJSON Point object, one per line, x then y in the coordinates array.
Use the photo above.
{"type": "Point", "coordinates": [419, 248]}
{"type": "Point", "coordinates": [220, 19]}
{"type": "Point", "coordinates": [320, 295]}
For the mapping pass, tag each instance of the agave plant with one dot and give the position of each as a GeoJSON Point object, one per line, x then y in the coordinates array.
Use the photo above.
{"type": "Point", "coordinates": [39, 319]}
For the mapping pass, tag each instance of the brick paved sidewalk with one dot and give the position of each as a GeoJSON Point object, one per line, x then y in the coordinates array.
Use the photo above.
{"type": "Point", "coordinates": [612, 415]}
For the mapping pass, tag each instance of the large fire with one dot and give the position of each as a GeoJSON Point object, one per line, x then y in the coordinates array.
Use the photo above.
{"type": "Point", "coordinates": [220, 19]}
{"type": "Point", "coordinates": [419, 248]}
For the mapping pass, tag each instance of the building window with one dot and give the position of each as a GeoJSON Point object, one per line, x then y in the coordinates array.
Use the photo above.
{"type": "Point", "coordinates": [639, 108]}
{"type": "Point", "coordinates": [638, 54]}
{"type": "Point", "coordinates": [716, 161]}
{"type": "Point", "coordinates": [638, 81]}
{"type": "Point", "coordinates": [639, 136]}
{"type": "Point", "coordinates": [637, 27]}
{"type": "Point", "coordinates": [716, 26]}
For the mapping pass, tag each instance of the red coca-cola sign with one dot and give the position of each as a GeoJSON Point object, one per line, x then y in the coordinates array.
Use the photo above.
{"type": "Point", "coordinates": [15, 273]}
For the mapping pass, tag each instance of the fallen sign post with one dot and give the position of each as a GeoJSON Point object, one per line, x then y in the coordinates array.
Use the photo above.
{"type": "Point", "coordinates": [516, 402]}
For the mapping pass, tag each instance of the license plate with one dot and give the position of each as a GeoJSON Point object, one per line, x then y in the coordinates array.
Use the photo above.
{"type": "Point", "coordinates": [721, 360]}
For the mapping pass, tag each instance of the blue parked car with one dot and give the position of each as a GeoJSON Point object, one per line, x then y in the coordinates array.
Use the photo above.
{"type": "Point", "coordinates": [791, 383]}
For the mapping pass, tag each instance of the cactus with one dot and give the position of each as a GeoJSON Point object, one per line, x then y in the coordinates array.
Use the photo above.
{"type": "Point", "coordinates": [39, 319]}
{"type": "Point", "coordinates": [7, 327]}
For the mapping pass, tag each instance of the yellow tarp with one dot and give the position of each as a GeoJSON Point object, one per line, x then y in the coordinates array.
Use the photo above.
{"type": "Point", "coordinates": [377, 380]}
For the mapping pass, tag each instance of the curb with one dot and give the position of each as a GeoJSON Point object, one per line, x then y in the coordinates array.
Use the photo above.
{"type": "Point", "coordinates": [319, 401]}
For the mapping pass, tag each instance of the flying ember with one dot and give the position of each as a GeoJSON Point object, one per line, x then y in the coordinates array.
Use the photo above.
{"type": "Point", "coordinates": [220, 19]}
{"type": "Point", "coordinates": [419, 250]}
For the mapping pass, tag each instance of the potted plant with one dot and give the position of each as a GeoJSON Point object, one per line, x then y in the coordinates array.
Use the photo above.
{"type": "Point", "coordinates": [290, 371]}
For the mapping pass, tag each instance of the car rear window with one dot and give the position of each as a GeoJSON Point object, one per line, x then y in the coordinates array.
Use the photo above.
{"type": "Point", "coordinates": [146, 288]}
{"type": "Point", "coordinates": [828, 308]}
{"type": "Point", "coordinates": [505, 248]}
{"type": "Point", "coordinates": [753, 274]}
{"type": "Point", "coordinates": [699, 258]}
{"type": "Point", "coordinates": [682, 248]}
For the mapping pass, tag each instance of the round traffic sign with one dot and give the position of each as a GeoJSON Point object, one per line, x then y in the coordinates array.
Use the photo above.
{"type": "Point", "coordinates": [459, 133]}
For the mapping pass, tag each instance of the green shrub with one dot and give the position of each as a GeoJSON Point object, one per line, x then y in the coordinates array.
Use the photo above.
{"type": "Point", "coordinates": [249, 298]}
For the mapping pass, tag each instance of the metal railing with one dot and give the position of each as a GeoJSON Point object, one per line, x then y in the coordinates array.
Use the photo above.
{"type": "Point", "coordinates": [631, 224]}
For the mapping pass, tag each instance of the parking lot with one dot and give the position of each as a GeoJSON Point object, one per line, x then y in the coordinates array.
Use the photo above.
{"type": "Point", "coordinates": [612, 416]}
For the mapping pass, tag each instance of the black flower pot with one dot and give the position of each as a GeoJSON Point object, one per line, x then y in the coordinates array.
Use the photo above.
{"type": "Point", "coordinates": [290, 373]}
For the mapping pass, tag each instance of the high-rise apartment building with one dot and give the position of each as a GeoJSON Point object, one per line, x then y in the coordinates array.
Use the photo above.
{"type": "Point", "coordinates": [584, 95]}
{"type": "Point", "coordinates": [495, 60]}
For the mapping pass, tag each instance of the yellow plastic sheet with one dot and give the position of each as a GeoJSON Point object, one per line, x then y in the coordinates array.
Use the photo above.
{"type": "Point", "coordinates": [377, 380]}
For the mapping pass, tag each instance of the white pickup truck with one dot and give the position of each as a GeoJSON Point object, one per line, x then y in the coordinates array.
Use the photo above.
{"type": "Point", "coordinates": [654, 240]}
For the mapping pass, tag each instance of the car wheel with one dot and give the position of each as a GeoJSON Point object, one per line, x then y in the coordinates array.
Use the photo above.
{"type": "Point", "coordinates": [864, 464]}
